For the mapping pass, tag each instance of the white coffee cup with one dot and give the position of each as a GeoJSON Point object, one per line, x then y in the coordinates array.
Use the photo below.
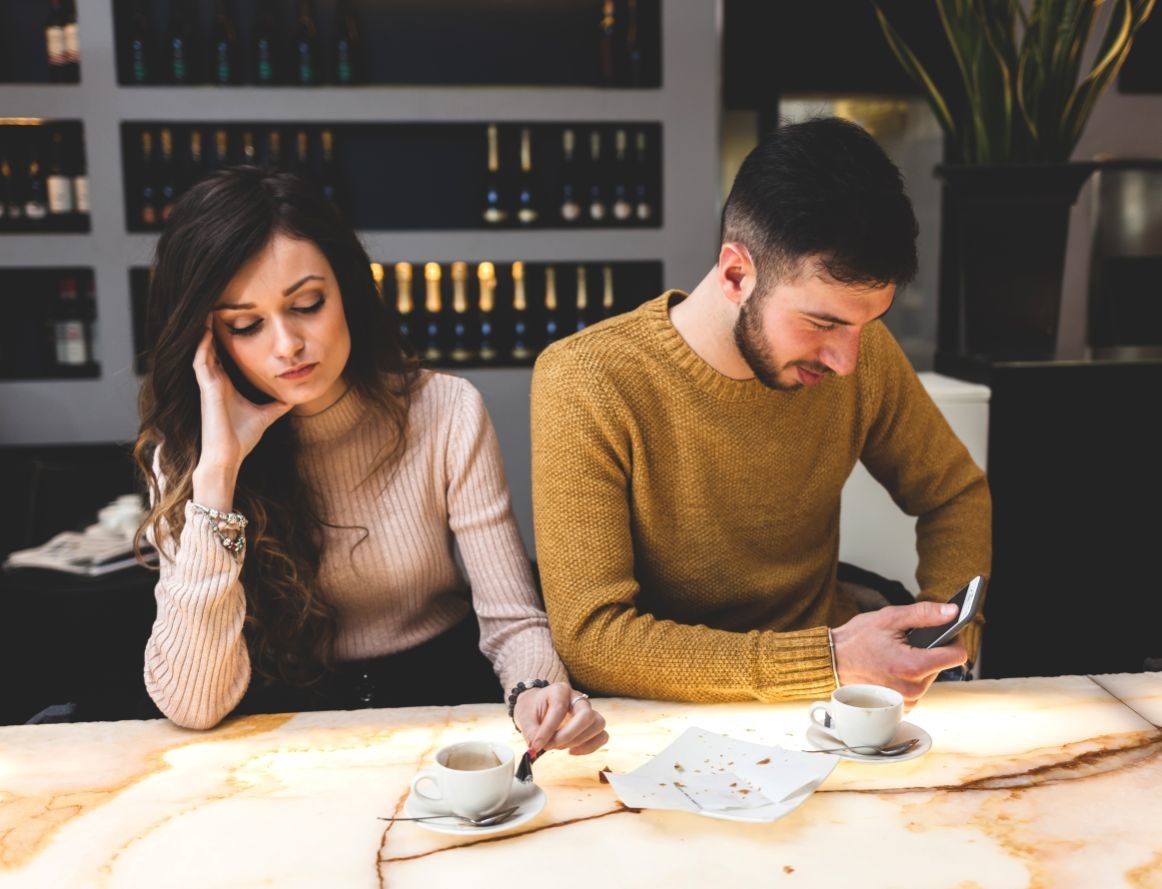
{"type": "Point", "coordinates": [861, 715]}
{"type": "Point", "coordinates": [473, 778]}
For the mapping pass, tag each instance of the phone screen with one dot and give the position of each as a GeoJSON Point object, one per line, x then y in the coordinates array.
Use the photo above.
{"type": "Point", "coordinates": [968, 599]}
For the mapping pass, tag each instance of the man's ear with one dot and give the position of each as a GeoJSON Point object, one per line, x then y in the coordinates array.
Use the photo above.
{"type": "Point", "coordinates": [736, 272]}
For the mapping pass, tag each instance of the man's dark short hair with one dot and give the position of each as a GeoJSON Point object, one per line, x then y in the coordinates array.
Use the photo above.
{"type": "Point", "coordinates": [822, 188]}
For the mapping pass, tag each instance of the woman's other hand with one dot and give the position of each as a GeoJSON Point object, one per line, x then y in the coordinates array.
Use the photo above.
{"type": "Point", "coordinates": [557, 717]}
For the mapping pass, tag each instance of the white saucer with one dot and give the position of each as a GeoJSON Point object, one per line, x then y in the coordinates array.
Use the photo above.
{"type": "Point", "coordinates": [529, 797]}
{"type": "Point", "coordinates": [821, 740]}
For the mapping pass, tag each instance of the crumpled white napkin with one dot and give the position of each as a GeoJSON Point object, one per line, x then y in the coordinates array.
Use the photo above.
{"type": "Point", "coordinates": [720, 776]}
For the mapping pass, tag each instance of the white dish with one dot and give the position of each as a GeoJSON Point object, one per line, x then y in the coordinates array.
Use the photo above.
{"type": "Point", "coordinates": [819, 739]}
{"type": "Point", "coordinates": [529, 797]}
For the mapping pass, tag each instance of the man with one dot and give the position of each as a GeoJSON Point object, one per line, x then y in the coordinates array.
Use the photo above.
{"type": "Point", "coordinates": [688, 456]}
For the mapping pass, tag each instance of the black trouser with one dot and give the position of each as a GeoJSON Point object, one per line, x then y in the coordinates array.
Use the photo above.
{"type": "Point", "coordinates": [445, 671]}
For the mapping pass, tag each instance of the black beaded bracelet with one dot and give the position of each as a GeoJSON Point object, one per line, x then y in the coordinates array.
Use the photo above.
{"type": "Point", "coordinates": [523, 686]}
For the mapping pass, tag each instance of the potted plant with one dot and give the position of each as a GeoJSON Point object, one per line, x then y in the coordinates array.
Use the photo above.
{"type": "Point", "coordinates": [1012, 121]}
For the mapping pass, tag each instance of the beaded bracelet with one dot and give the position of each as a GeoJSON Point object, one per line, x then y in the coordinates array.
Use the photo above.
{"type": "Point", "coordinates": [229, 528]}
{"type": "Point", "coordinates": [521, 687]}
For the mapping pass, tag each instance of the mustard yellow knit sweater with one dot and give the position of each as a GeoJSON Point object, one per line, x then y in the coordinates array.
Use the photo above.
{"type": "Point", "coordinates": [687, 524]}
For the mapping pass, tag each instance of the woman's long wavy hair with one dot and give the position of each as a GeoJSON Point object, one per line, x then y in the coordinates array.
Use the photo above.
{"type": "Point", "coordinates": [218, 226]}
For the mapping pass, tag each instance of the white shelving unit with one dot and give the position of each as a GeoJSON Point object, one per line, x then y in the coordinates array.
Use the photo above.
{"type": "Point", "coordinates": [104, 409]}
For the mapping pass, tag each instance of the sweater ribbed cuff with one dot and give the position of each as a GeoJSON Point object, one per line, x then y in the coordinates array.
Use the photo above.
{"type": "Point", "coordinates": [794, 664]}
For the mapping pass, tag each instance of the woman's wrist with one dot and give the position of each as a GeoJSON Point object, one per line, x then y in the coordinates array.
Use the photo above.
{"type": "Point", "coordinates": [213, 486]}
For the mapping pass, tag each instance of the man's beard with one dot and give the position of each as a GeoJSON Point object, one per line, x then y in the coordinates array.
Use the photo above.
{"type": "Point", "coordinates": [748, 337]}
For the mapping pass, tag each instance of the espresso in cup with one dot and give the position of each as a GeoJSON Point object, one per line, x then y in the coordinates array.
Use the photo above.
{"type": "Point", "coordinates": [471, 779]}
{"type": "Point", "coordinates": [860, 715]}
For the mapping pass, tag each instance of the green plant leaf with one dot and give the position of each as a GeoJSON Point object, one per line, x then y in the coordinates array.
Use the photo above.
{"type": "Point", "coordinates": [1115, 46]}
{"type": "Point", "coordinates": [915, 70]}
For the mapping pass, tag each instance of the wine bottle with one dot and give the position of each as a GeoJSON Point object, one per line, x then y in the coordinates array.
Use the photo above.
{"type": "Point", "coordinates": [633, 51]}
{"type": "Point", "coordinates": [80, 178]}
{"type": "Point", "coordinates": [58, 182]}
{"type": "Point", "coordinates": [461, 333]}
{"type": "Point", "coordinates": [598, 203]}
{"type": "Point", "coordinates": [643, 202]}
{"type": "Point", "coordinates": [347, 54]}
{"type": "Point", "coordinates": [570, 205]}
{"type": "Point", "coordinates": [148, 211]}
{"type": "Point", "coordinates": [607, 291]}
{"type": "Point", "coordinates": [167, 179]}
{"type": "Point", "coordinates": [486, 273]}
{"type": "Point", "coordinates": [552, 309]}
{"type": "Point", "coordinates": [328, 169]}
{"type": "Point", "coordinates": [302, 162]}
{"type": "Point", "coordinates": [178, 45]}
{"type": "Point", "coordinates": [249, 152]}
{"type": "Point", "coordinates": [195, 160]}
{"type": "Point", "coordinates": [223, 47]}
{"type": "Point", "coordinates": [272, 153]}
{"type": "Point", "coordinates": [404, 304]}
{"type": "Point", "coordinates": [494, 210]}
{"type": "Point", "coordinates": [221, 150]}
{"type": "Point", "coordinates": [11, 212]}
{"type": "Point", "coordinates": [70, 325]}
{"type": "Point", "coordinates": [583, 318]}
{"type": "Point", "coordinates": [54, 41]}
{"type": "Point", "coordinates": [306, 46]}
{"type": "Point", "coordinates": [35, 197]}
{"type": "Point", "coordinates": [71, 69]}
{"type": "Point", "coordinates": [377, 278]}
{"type": "Point", "coordinates": [622, 205]}
{"type": "Point", "coordinates": [527, 201]}
{"type": "Point", "coordinates": [521, 347]}
{"type": "Point", "coordinates": [433, 311]}
{"type": "Point", "coordinates": [140, 45]}
{"type": "Point", "coordinates": [607, 49]}
{"type": "Point", "coordinates": [265, 45]}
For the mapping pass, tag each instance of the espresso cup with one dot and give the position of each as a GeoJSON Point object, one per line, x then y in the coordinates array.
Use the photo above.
{"type": "Point", "coordinates": [471, 778]}
{"type": "Point", "coordinates": [860, 715]}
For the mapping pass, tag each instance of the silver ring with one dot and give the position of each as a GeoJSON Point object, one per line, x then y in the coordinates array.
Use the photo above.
{"type": "Point", "coordinates": [580, 697]}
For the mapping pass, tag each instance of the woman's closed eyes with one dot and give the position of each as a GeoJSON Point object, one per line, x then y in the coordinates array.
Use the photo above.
{"type": "Point", "coordinates": [251, 329]}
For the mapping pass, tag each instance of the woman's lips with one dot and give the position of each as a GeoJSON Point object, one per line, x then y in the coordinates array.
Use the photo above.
{"type": "Point", "coordinates": [297, 373]}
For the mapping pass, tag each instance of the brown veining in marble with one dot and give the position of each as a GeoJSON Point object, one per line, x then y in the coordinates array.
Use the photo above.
{"type": "Point", "coordinates": [1071, 767]}
{"type": "Point", "coordinates": [1149, 875]}
{"type": "Point", "coordinates": [35, 820]}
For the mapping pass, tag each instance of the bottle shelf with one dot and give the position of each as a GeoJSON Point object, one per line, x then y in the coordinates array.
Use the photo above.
{"type": "Point", "coordinates": [44, 186]}
{"type": "Point", "coordinates": [411, 177]}
{"type": "Point", "coordinates": [608, 43]}
{"type": "Point", "coordinates": [48, 329]}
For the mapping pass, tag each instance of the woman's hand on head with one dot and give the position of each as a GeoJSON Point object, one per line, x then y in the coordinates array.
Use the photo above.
{"type": "Point", "coordinates": [231, 424]}
{"type": "Point", "coordinates": [557, 717]}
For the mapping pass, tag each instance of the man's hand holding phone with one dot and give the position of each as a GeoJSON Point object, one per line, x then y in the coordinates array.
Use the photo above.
{"type": "Point", "coordinates": [872, 648]}
{"type": "Point", "coordinates": [232, 425]}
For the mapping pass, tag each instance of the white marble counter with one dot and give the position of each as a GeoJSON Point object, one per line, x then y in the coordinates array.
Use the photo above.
{"type": "Point", "coordinates": [1029, 783]}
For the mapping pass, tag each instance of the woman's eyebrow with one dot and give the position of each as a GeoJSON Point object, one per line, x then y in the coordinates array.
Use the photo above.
{"type": "Point", "coordinates": [287, 292]}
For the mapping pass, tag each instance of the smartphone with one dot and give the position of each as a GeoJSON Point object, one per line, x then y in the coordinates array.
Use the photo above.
{"type": "Point", "coordinates": [969, 599]}
{"type": "Point", "coordinates": [243, 385]}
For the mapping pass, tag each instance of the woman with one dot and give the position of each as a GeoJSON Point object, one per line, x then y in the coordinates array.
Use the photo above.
{"type": "Point", "coordinates": [308, 480]}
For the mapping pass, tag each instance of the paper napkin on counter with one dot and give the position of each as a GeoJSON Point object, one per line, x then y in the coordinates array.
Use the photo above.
{"type": "Point", "coordinates": [722, 777]}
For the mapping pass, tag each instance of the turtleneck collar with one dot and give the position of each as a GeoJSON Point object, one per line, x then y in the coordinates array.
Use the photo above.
{"type": "Point", "coordinates": [333, 422]}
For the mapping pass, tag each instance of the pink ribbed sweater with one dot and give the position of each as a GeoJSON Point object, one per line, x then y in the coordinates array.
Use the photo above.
{"type": "Point", "coordinates": [400, 588]}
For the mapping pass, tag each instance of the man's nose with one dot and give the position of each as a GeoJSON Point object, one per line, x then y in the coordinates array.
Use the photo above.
{"type": "Point", "coordinates": [842, 352]}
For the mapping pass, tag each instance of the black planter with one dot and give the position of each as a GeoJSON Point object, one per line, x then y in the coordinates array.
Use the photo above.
{"type": "Point", "coordinates": [1002, 257]}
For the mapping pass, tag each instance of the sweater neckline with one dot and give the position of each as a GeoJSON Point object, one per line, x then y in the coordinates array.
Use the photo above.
{"type": "Point", "coordinates": [706, 378]}
{"type": "Point", "coordinates": [333, 422]}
